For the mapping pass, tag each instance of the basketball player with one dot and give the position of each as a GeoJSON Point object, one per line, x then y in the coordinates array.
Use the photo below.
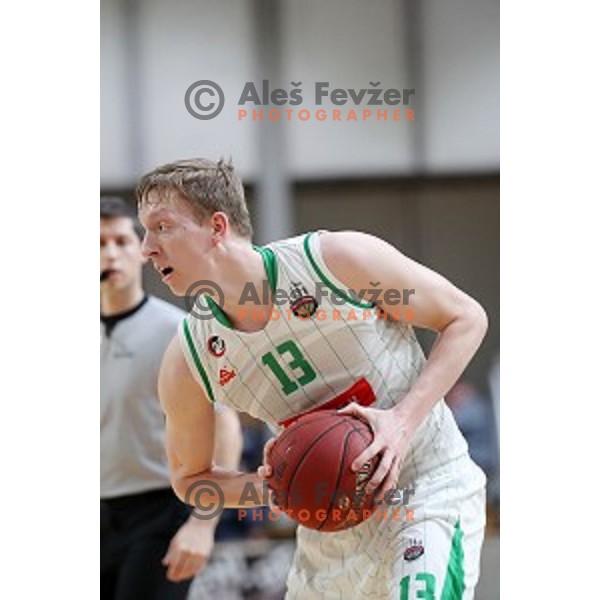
{"type": "Point", "coordinates": [198, 228]}
{"type": "Point", "coordinates": [150, 546]}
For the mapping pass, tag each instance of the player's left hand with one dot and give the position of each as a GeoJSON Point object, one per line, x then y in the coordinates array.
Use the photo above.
{"type": "Point", "coordinates": [391, 439]}
{"type": "Point", "coordinates": [189, 550]}
{"type": "Point", "coordinates": [265, 471]}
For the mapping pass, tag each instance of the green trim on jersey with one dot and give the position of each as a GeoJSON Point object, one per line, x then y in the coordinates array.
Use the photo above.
{"type": "Point", "coordinates": [454, 583]}
{"type": "Point", "coordinates": [327, 281]}
{"type": "Point", "coordinates": [270, 263]}
{"type": "Point", "coordinates": [197, 361]}
{"type": "Point", "coordinates": [218, 313]}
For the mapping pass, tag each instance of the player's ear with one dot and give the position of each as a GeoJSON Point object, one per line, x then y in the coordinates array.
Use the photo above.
{"type": "Point", "coordinates": [219, 225]}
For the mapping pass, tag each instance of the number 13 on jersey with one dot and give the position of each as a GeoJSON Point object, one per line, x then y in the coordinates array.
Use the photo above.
{"type": "Point", "coordinates": [423, 586]}
{"type": "Point", "coordinates": [291, 357]}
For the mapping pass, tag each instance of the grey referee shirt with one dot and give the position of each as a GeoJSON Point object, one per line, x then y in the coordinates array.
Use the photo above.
{"type": "Point", "coordinates": [133, 457]}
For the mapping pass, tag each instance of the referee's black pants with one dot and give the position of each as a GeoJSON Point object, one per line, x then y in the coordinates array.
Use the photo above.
{"type": "Point", "coordinates": [135, 532]}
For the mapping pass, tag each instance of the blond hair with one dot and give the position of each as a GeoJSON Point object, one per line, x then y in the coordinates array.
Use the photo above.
{"type": "Point", "coordinates": [207, 186]}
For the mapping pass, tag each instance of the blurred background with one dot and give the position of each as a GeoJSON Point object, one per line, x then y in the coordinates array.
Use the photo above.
{"type": "Point", "coordinates": [430, 186]}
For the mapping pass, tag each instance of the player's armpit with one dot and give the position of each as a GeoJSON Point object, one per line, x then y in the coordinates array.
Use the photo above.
{"type": "Point", "coordinates": [190, 419]}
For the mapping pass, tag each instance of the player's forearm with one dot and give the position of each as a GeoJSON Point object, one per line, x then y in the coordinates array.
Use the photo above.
{"type": "Point", "coordinates": [452, 352]}
{"type": "Point", "coordinates": [228, 451]}
{"type": "Point", "coordinates": [222, 487]}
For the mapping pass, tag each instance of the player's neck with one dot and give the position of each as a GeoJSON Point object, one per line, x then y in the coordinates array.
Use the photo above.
{"type": "Point", "coordinates": [114, 302]}
{"type": "Point", "coordinates": [246, 271]}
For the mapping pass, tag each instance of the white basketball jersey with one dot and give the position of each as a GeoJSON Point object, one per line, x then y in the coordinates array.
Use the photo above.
{"type": "Point", "coordinates": [319, 342]}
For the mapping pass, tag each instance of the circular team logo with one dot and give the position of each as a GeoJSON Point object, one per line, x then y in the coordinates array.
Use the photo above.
{"type": "Point", "coordinates": [305, 307]}
{"type": "Point", "coordinates": [216, 346]}
{"type": "Point", "coordinates": [413, 552]}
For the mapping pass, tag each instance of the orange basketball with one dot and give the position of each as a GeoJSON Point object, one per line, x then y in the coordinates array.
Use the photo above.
{"type": "Point", "coordinates": [312, 480]}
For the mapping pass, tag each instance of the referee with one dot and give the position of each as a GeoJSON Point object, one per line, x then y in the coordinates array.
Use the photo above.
{"type": "Point", "coordinates": [150, 547]}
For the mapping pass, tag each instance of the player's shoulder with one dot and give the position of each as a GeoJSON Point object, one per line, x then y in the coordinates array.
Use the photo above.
{"type": "Point", "coordinates": [342, 236]}
{"type": "Point", "coordinates": [301, 241]}
{"type": "Point", "coordinates": [289, 242]}
{"type": "Point", "coordinates": [347, 238]}
{"type": "Point", "coordinates": [340, 241]}
{"type": "Point", "coordinates": [349, 244]}
{"type": "Point", "coordinates": [329, 246]}
{"type": "Point", "coordinates": [178, 388]}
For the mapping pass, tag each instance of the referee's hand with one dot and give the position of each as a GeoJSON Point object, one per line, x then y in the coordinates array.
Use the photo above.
{"type": "Point", "coordinates": [189, 549]}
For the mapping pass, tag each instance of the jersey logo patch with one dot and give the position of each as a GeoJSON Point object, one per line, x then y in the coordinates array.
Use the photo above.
{"type": "Point", "coordinates": [226, 375]}
{"type": "Point", "coordinates": [216, 346]}
{"type": "Point", "coordinates": [302, 304]}
{"type": "Point", "coordinates": [414, 550]}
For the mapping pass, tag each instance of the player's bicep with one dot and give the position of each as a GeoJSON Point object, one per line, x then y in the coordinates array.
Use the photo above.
{"type": "Point", "coordinates": [229, 440]}
{"type": "Point", "coordinates": [190, 420]}
{"type": "Point", "coordinates": [429, 300]}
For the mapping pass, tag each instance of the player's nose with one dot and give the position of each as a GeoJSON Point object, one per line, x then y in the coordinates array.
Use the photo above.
{"type": "Point", "coordinates": [149, 248]}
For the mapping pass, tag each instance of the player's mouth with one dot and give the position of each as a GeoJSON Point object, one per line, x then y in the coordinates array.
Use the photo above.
{"type": "Point", "coordinates": [166, 272]}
